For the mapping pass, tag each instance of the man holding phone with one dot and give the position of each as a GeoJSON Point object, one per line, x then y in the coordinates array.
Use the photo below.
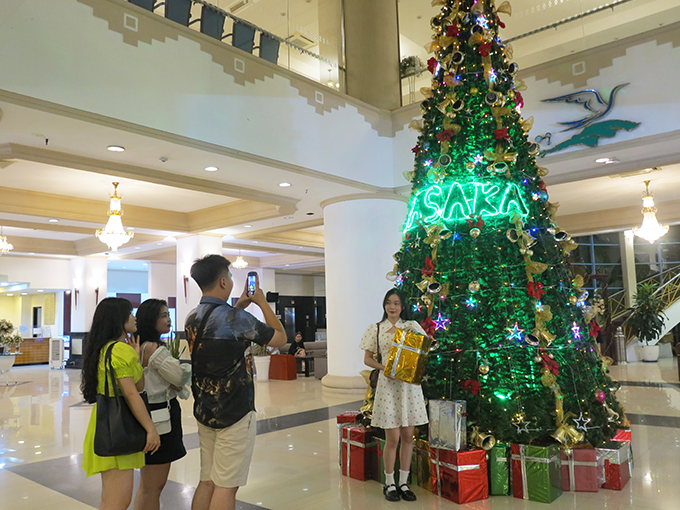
{"type": "Point", "coordinates": [224, 395]}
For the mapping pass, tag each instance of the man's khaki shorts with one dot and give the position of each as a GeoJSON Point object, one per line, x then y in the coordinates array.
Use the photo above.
{"type": "Point", "coordinates": [226, 453]}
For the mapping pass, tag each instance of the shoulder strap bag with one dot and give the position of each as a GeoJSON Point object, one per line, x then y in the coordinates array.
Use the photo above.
{"type": "Point", "coordinates": [161, 415]}
{"type": "Point", "coordinates": [117, 430]}
{"type": "Point", "coordinates": [375, 373]}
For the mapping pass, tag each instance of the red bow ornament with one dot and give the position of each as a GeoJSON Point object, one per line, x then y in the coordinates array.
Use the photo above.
{"type": "Point", "coordinates": [594, 328]}
{"type": "Point", "coordinates": [519, 99]}
{"type": "Point", "coordinates": [485, 49]}
{"type": "Point", "coordinates": [428, 326]}
{"type": "Point", "coordinates": [452, 30]}
{"type": "Point", "coordinates": [445, 136]}
{"type": "Point", "coordinates": [535, 290]}
{"type": "Point", "coordinates": [429, 267]}
{"type": "Point", "coordinates": [501, 134]}
{"type": "Point", "coordinates": [550, 364]}
{"type": "Point", "coordinates": [472, 386]}
{"type": "Point", "coordinates": [432, 64]}
{"type": "Point", "coordinates": [416, 150]}
{"type": "Point", "coordinates": [477, 222]}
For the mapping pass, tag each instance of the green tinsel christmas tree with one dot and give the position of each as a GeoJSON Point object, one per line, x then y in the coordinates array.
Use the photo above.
{"type": "Point", "coordinates": [482, 262]}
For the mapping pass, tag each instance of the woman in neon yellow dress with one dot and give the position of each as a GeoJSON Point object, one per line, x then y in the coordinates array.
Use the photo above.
{"type": "Point", "coordinates": [113, 322]}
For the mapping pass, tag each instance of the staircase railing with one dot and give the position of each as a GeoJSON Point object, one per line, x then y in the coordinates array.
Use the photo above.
{"type": "Point", "coordinates": [617, 301]}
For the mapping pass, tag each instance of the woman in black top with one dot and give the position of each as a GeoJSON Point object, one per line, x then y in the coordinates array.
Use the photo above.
{"type": "Point", "coordinates": [297, 348]}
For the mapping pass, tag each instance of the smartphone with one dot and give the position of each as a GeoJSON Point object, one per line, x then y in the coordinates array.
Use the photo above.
{"type": "Point", "coordinates": [252, 282]}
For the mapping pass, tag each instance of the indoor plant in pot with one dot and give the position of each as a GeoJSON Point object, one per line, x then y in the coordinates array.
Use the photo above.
{"type": "Point", "coordinates": [261, 359]}
{"type": "Point", "coordinates": [647, 319]}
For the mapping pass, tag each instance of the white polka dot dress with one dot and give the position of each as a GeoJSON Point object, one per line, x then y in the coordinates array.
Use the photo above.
{"type": "Point", "coordinates": [397, 403]}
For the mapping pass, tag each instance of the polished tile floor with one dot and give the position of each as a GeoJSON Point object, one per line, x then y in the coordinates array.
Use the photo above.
{"type": "Point", "coordinates": [42, 424]}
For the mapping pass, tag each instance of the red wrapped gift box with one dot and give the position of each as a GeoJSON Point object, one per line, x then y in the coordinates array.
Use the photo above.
{"type": "Point", "coordinates": [459, 476]}
{"type": "Point", "coordinates": [357, 443]}
{"type": "Point", "coordinates": [614, 465]}
{"type": "Point", "coordinates": [345, 420]}
{"type": "Point", "coordinates": [282, 367]}
{"type": "Point", "coordinates": [579, 470]}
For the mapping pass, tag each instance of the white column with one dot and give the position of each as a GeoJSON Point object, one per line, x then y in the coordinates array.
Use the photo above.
{"type": "Point", "coordinates": [628, 265]}
{"type": "Point", "coordinates": [361, 235]}
{"type": "Point", "coordinates": [162, 282]}
{"type": "Point", "coordinates": [89, 281]}
{"type": "Point", "coordinates": [189, 249]}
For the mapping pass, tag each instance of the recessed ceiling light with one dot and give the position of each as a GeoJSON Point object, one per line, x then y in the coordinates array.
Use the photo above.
{"type": "Point", "coordinates": [116, 148]}
{"type": "Point", "coordinates": [606, 161]}
{"type": "Point", "coordinates": [145, 264]}
{"type": "Point", "coordinates": [300, 248]}
{"type": "Point", "coordinates": [247, 226]}
{"type": "Point", "coordinates": [288, 218]}
{"type": "Point", "coordinates": [211, 169]}
{"type": "Point", "coordinates": [287, 265]}
{"type": "Point", "coordinates": [31, 253]}
{"type": "Point", "coordinates": [159, 244]}
{"type": "Point", "coordinates": [53, 220]}
{"type": "Point", "coordinates": [310, 214]}
{"type": "Point", "coordinates": [138, 247]}
{"type": "Point", "coordinates": [601, 160]}
{"type": "Point", "coordinates": [256, 242]}
{"type": "Point", "coordinates": [41, 290]}
{"type": "Point", "coordinates": [10, 295]}
{"type": "Point", "coordinates": [24, 293]}
{"type": "Point", "coordinates": [285, 184]}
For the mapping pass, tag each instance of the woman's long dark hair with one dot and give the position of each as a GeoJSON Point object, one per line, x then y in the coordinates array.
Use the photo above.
{"type": "Point", "coordinates": [404, 312]}
{"type": "Point", "coordinates": [108, 324]}
{"type": "Point", "coordinates": [147, 317]}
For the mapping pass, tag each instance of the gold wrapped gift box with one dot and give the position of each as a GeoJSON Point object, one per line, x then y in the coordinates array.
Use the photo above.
{"type": "Point", "coordinates": [408, 356]}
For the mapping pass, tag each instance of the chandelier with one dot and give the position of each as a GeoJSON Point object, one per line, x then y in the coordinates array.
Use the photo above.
{"type": "Point", "coordinates": [4, 245]}
{"type": "Point", "coordinates": [114, 235]}
{"type": "Point", "coordinates": [650, 230]}
{"type": "Point", "coordinates": [240, 262]}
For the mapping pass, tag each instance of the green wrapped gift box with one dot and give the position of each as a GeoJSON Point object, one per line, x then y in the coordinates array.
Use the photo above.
{"type": "Point", "coordinates": [536, 472]}
{"type": "Point", "coordinates": [499, 470]}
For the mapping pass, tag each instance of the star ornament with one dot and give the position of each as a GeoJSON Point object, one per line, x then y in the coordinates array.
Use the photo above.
{"type": "Point", "coordinates": [515, 333]}
{"type": "Point", "coordinates": [581, 422]}
{"type": "Point", "coordinates": [470, 302]}
{"type": "Point", "coordinates": [522, 426]}
{"type": "Point", "coordinates": [576, 331]}
{"type": "Point", "coordinates": [441, 323]}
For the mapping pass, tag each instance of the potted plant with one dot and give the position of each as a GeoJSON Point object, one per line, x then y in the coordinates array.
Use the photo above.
{"type": "Point", "coordinates": [261, 360]}
{"type": "Point", "coordinates": [647, 319]}
{"type": "Point", "coordinates": [8, 338]}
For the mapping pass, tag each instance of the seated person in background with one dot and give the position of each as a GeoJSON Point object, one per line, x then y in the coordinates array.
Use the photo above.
{"type": "Point", "coordinates": [297, 347]}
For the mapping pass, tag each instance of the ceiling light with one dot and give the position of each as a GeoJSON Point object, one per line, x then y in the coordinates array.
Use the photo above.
{"type": "Point", "coordinates": [4, 284]}
{"type": "Point", "coordinates": [601, 160]}
{"type": "Point", "coordinates": [256, 242]}
{"type": "Point", "coordinates": [114, 235]}
{"type": "Point", "coordinates": [606, 161]}
{"type": "Point", "coordinates": [24, 293]}
{"type": "Point", "coordinates": [41, 291]}
{"type": "Point", "coordinates": [170, 239]}
{"type": "Point", "coordinates": [53, 220]}
{"type": "Point", "coordinates": [31, 253]}
{"type": "Point", "coordinates": [159, 244]}
{"type": "Point", "coordinates": [650, 230]}
{"type": "Point", "coordinates": [247, 226]}
{"type": "Point", "coordinates": [116, 148]}
{"type": "Point", "coordinates": [10, 295]}
{"type": "Point", "coordinates": [211, 169]}
{"type": "Point", "coordinates": [310, 214]}
{"type": "Point", "coordinates": [5, 246]}
{"type": "Point", "coordinates": [285, 184]}
{"type": "Point", "coordinates": [138, 247]}
{"type": "Point", "coordinates": [240, 262]}
{"type": "Point", "coordinates": [288, 218]}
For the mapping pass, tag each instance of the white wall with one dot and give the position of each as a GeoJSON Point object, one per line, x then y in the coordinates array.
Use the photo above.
{"type": "Point", "coordinates": [161, 280]}
{"type": "Point", "coordinates": [300, 285]}
{"type": "Point", "coordinates": [127, 282]}
{"type": "Point", "coordinates": [41, 273]}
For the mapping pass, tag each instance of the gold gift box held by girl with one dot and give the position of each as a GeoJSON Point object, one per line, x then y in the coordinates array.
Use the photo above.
{"type": "Point", "coordinates": [408, 356]}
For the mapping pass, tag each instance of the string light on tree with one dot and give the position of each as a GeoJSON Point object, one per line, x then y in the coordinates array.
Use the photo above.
{"type": "Point", "coordinates": [441, 323]}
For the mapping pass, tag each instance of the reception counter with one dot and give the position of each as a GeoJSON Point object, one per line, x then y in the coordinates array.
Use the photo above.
{"type": "Point", "coordinates": [34, 351]}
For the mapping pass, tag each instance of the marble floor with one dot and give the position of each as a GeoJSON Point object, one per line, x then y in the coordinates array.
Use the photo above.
{"type": "Point", "coordinates": [42, 424]}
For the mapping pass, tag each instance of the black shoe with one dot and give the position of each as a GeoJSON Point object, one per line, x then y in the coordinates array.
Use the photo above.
{"type": "Point", "coordinates": [406, 493]}
{"type": "Point", "coordinates": [391, 492]}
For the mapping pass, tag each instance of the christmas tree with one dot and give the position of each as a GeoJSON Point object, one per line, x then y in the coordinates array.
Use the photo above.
{"type": "Point", "coordinates": [483, 263]}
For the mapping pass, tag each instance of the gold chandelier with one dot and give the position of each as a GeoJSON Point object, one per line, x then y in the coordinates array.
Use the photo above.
{"type": "Point", "coordinates": [240, 262]}
{"type": "Point", "coordinates": [114, 235]}
{"type": "Point", "coordinates": [5, 246]}
{"type": "Point", "coordinates": [651, 229]}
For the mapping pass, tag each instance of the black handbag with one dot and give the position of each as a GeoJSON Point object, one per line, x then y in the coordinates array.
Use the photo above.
{"type": "Point", "coordinates": [375, 373]}
{"type": "Point", "coordinates": [117, 432]}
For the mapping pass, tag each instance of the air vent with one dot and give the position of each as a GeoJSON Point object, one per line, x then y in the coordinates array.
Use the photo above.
{"type": "Point", "coordinates": [239, 6]}
{"type": "Point", "coordinates": [637, 172]}
{"type": "Point", "coordinates": [300, 40]}
{"type": "Point", "coordinates": [4, 163]}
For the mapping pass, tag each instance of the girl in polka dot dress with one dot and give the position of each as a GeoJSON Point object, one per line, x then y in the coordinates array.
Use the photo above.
{"type": "Point", "coordinates": [398, 406]}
